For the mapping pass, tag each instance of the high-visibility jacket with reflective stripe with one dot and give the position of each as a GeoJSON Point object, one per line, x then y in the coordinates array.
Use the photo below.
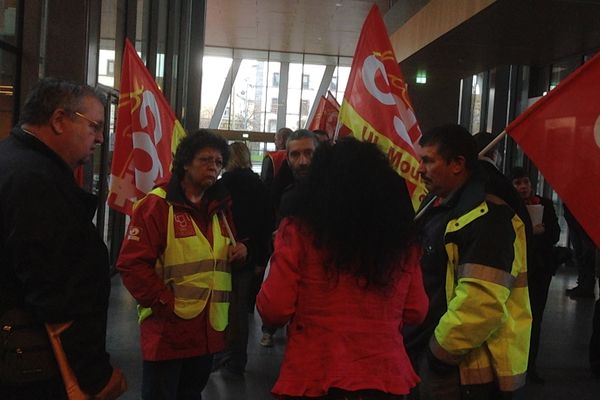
{"type": "Point", "coordinates": [487, 326]}
{"type": "Point", "coordinates": [197, 272]}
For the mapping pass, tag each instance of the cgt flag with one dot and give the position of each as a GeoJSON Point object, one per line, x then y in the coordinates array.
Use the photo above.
{"type": "Point", "coordinates": [560, 133]}
{"type": "Point", "coordinates": [376, 106]}
{"type": "Point", "coordinates": [146, 136]}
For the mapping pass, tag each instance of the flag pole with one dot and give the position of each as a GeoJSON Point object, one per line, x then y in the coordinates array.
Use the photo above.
{"type": "Point", "coordinates": [492, 144]}
{"type": "Point", "coordinates": [338, 125]}
{"type": "Point", "coordinates": [229, 232]}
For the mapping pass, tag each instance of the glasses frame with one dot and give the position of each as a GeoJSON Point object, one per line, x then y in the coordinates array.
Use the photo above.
{"type": "Point", "coordinates": [97, 126]}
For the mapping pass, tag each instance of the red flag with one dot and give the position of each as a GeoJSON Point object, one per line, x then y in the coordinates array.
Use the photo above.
{"type": "Point", "coordinates": [146, 136]}
{"type": "Point", "coordinates": [376, 106]}
{"type": "Point", "coordinates": [561, 135]}
{"type": "Point", "coordinates": [331, 113]}
{"type": "Point", "coordinates": [326, 115]}
{"type": "Point", "coordinates": [315, 123]}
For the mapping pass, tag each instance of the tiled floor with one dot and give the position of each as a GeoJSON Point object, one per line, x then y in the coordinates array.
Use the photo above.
{"type": "Point", "coordinates": [563, 359]}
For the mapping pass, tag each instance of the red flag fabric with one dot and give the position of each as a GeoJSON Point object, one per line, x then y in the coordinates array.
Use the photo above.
{"type": "Point", "coordinates": [315, 123]}
{"type": "Point", "coordinates": [560, 133]}
{"type": "Point", "coordinates": [326, 115]}
{"type": "Point", "coordinates": [376, 106]}
{"type": "Point", "coordinates": [146, 135]}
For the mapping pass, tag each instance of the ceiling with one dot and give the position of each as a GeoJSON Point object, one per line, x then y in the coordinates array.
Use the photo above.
{"type": "Point", "coordinates": [301, 26]}
{"type": "Point", "coordinates": [531, 32]}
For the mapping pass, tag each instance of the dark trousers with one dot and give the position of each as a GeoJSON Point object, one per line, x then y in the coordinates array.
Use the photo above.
{"type": "Point", "coordinates": [237, 336]}
{"type": "Point", "coordinates": [54, 390]}
{"type": "Point", "coordinates": [595, 341]}
{"type": "Point", "coordinates": [438, 385]}
{"type": "Point", "coordinates": [539, 284]}
{"type": "Point", "coordinates": [585, 255]}
{"type": "Point", "coordinates": [181, 379]}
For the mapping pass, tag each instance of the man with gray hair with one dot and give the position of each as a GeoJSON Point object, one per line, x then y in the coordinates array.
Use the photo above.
{"type": "Point", "coordinates": [54, 265]}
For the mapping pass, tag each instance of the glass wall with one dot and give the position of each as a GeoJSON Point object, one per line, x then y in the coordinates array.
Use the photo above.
{"type": "Point", "coordinates": [259, 91]}
{"type": "Point", "coordinates": [9, 59]}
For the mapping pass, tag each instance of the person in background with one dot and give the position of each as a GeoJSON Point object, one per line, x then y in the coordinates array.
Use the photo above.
{"type": "Point", "coordinates": [54, 264]}
{"type": "Point", "coordinates": [254, 220]}
{"type": "Point", "coordinates": [301, 145]}
{"type": "Point", "coordinates": [545, 234]}
{"type": "Point", "coordinates": [275, 171]}
{"type": "Point", "coordinates": [584, 250]}
{"type": "Point", "coordinates": [176, 261]}
{"type": "Point", "coordinates": [346, 286]}
{"type": "Point", "coordinates": [475, 339]}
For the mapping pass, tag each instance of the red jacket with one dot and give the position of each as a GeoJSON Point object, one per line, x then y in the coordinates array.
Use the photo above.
{"type": "Point", "coordinates": [164, 336]}
{"type": "Point", "coordinates": [340, 335]}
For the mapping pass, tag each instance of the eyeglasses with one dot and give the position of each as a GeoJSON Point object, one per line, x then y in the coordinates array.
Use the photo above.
{"type": "Point", "coordinates": [210, 160]}
{"type": "Point", "coordinates": [98, 127]}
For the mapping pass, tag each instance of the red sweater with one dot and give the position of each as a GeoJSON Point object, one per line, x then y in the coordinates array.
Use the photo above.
{"type": "Point", "coordinates": [339, 334]}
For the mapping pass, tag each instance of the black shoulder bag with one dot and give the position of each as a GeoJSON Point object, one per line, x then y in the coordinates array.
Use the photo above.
{"type": "Point", "coordinates": [25, 352]}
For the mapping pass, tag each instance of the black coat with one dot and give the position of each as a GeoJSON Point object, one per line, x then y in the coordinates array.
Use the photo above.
{"type": "Point", "coordinates": [52, 260]}
{"type": "Point", "coordinates": [253, 212]}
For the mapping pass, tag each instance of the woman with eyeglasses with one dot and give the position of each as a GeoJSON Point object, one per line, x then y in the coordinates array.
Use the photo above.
{"type": "Point", "coordinates": [175, 261]}
{"type": "Point", "coordinates": [345, 276]}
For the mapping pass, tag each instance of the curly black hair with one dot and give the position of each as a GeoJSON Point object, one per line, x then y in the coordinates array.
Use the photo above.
{"type": "Point", "coordinates": [359, 211]}
{"type": "Point", "coordinates": [194, 142]}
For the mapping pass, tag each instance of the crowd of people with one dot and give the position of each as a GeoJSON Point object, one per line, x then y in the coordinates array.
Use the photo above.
{"type": "Point", "coordinates": [379, 302]}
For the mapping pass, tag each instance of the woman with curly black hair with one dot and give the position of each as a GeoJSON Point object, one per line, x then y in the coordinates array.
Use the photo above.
{"type": "Point", "coordinates": [345, 274]}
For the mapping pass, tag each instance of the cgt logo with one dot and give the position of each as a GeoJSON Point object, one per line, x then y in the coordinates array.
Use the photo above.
{"type": "Point", "coordinates": [134, 233]}
{"type": "Point", "coordinates": [147, 142]}
{"type": "Point", "coordinates": [371, 67]}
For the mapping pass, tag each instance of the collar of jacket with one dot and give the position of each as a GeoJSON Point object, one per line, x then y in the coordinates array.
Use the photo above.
{"type": "Point", "coordinates": [216, 197]}
{"type": "Point", "coordinates": [36, 144]}
{"type": "Point", "coordinates": [465, 198]}
{"type": "Point", "coordinates": [89, 200]}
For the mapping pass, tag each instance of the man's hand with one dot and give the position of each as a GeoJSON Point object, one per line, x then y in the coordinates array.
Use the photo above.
{"type": "Point", "coordinates": [116, 386]}
{"type": "Point", "coordinates": [237, 253]}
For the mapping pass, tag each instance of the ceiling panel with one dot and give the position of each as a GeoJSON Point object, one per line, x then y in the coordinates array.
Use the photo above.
{"type": "Point", "coordinates": [302, 26]}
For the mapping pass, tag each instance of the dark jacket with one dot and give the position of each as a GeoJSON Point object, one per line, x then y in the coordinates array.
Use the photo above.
{"type": "Point", "coordinates": [252, 212]}
{"type": "Point", "coordinates": [52, 260]}
{"type": "Point", "coordinates": [475, 255]}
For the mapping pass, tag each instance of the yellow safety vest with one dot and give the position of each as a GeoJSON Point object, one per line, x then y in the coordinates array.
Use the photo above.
{"type": "Point", "coordinates": [196, 272]}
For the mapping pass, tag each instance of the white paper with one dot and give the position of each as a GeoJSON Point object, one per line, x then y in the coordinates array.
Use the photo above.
{"type": "Point", "coordinates": [536, 212]}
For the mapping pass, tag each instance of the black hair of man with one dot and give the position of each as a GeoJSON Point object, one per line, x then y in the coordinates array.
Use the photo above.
{"type": "Point", "coordinates": [51, 94]}
{"type": "Point", "coordinates": [518, 172]}
{"type": "Point", "coordinates": [285, 133]}
{"type": "Point", "coordinates": [302, 134]}
{"type": "Point", "coordinates": [452, 141]}
{"type": "Point", "coordinates": [194, 142]}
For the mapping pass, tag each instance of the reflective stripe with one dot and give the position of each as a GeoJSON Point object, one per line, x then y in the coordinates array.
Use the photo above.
{"type": "Point", "coordinates": [521, 280]}
{"type": "Point", "coordinates": [459, 223]}
{"type": "Point", "coordinates": [219, 296]}
{"type": "Point", "coordinates": [175, 271]}
{"type": "Point", "coordinates": [486, 273]}
{"type": "Point", "coordinates": [192, 293]}
{"type": "Point", "coordinates": [511, 383]}
{"type": "Point", "coordinates": [476, 376]}
{"type": "Point", "coordinates": [441, 354]}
